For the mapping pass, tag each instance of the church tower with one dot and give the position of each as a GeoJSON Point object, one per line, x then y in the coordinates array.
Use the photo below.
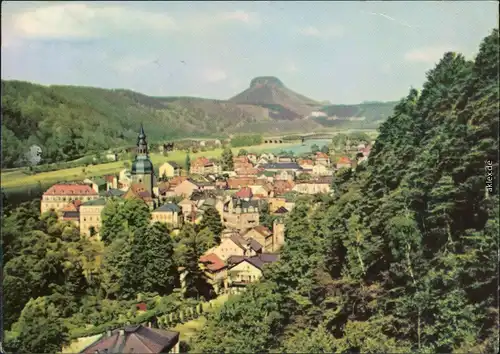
{"type": "Point", "coordinates": [142, 168]}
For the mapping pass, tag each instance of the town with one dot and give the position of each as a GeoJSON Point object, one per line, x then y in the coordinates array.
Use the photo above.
{"type": "Point", "coordinates": [239, 194]}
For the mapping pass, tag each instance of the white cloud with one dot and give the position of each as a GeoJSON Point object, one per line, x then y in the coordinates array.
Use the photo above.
{"type": "Point", "coordinates": [83, 21]}
{"type": "Point", "coordinates": [326, 32]}
{"type": "Point", "coordinates": [427, 54]}
{"type": "Point", "coordinates": [214, 75]}
{"type": "Point", "coordinates": [86, 21]}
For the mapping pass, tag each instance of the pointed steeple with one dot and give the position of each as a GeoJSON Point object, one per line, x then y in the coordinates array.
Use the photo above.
{"type": "Point", "coordinates": [142, 145]}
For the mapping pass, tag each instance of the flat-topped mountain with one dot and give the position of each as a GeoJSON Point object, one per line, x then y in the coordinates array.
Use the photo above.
{"type": "Point", "coordinates": [282, 102]}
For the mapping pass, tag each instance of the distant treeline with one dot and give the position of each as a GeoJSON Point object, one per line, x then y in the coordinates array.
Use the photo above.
{"type": "Point", "coordinates": [246, 140]}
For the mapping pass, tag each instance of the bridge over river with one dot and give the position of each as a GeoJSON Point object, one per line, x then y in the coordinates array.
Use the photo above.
{"type": "Point", "coordinates": [305, 137]}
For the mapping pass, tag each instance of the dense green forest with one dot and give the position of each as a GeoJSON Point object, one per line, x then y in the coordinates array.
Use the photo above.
{"type": "Point", "coordinates": [404, 256]}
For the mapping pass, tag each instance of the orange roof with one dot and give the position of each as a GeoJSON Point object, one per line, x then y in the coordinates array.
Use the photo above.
{"type": "Point", "coordinates": [321, 155]}
{"type": "Point", "coordinates": [70, 189]}
{"type": "Point", "coordinates": [305, 162]}
{"type": "Point", "coordinates": [234, 183]}
{"type": "Point", "coordinates": [109, 178]}
{"type": "Point", "coordinates": [344, 160]}
{"type": "Point", "coordinates": [263, 230]}
{"type": "Point", "coordinates": [201, 161]}
{"type": "Point", "coordinates": [73, 206]}
{"type": "Point", "coordinates": [213, 262]}
{"type": "Point", "coordinates": [240, 159]}
{"type": "Point", "coordinates": [177, 180]}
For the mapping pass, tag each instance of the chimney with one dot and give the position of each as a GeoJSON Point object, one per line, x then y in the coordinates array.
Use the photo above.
{"type": "Point", "coordinates": [122, 332]}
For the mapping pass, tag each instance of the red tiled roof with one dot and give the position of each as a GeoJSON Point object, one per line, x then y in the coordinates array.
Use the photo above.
{"type": "Point", "coordinates": [245, 192]}
{"type": "Point", "coordinates": [305, 162]}
{"type": "Point", "coordinates": [344, 160]}
{"type": "Point", "coordinates": [281, 187]}
{"type": "Point", "coordinates": [240, 159]}
{"type": "Point", "coordinates": [70, 189]}
{"type": "Point", "coordinates": [213, 263]}
{"type": "Point", "coordinates": [236, 183]}
{"type": "Point", "coordinates": [321, 155]}
{"type": "Point", "coordinates": [247, 171]}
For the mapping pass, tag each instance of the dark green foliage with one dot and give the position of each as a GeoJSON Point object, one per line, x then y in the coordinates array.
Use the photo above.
{"type": "Point", "coordinates": [404, 256]}
{"type": "Point", "coordinates": [120, 218]}
{"type": "Point", "coordinates": [227, 159]}
{"type": "Point", "coordinates": [246, 140]}
{"type": "Point", "coordinates": [187, 163]}
{"type": "Point", "coordinates": [212, 221]}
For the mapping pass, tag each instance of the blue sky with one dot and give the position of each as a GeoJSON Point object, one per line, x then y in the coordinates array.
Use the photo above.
{"type": "Point", "coordinates": [344, 52]}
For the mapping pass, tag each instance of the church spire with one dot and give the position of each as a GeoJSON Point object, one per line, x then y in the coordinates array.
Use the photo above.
{"type": "Point", "coordinates": [142, 145]}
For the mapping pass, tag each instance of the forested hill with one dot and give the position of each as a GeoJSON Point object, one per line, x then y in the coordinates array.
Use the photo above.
{"type": "Point", "coordinates": [69, 121]}
{"type": "Point", "coordinates": [404, 256]}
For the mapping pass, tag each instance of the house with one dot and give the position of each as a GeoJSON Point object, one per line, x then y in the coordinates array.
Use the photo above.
{"type": "Point", "coordinates": [285, 175]}
{"type": "Point", "coordinates": [262, 160]}
{"type": "Point", "coordinates": [235, 245]}
{"type": "Point", "coordinates": [252, 157]}
{"type": "Point", "coordinates": [186, 188]}
{"type": "Point", "coordinates": [262, 191]}
{"type": "Point", "coordinates": [90, 217]}
{"type": "Point", "coordinates": [271, 241]}
{"type": "Point", "coordinates": [169, 169]}
{"type": "Point", "coordinates": [187, 206]}
{"type": "Point", "coordinates": [111, 181]}
{"type": "Point", "coordinates": [281, 211]}
{"type": "Point", "coordinates": [321, 170]}
{"type": "Point", "coordinates": [312, 187]}
{"type": "Point", "coordinates": [361, 146]}
{"type": "Point", "coordinates": [136, 340]}
{"type": "Point", "coordinates": [59, 195]}
{"type": "Point", "coordinates": [268, 156]}
{"type": "Point", "coordinates": [203, 166]}
{"type": "Point", "coordinates": [124, 180]}
{"type": "Point", "coordinates": [112, 193]}
{"type": "Point", "coordinates": [322, 159]}
{"type": "Point", "coordinates": [266, 175]}
{"type": "Point", "coordinates": [245, 270]}
{"type": "Point", "coordinates": [277, 167]}
{"type": "Point", "coordinates": [240, 214]}
{"type": "Point", "coordinates": [244, 193]}
{"type": "Point", "coordinates": [306, 164]}
{"type": "Point", "coordinates": [344, 162]}
{"type": "Point", "coordinates": [282, 187]}
{"type": "Point", "coordinates": [139, 191]}
{"type": "Point", "coordinates": [168, 213]}
{"type": "Point", "coordinates": [214, 269]}
{"type": "Point", "coordinates": [284, 158]}
{"type": "Point", "coordinates": [97, 183]}
{"type": "Point", "coordinates": [247, 172]}
{"type": "Point", "coordinates": [237, 183]}
{"type": "Point", "coordinates": [71, 212]}
{"type": "Point", "coordinates": [177, 180]}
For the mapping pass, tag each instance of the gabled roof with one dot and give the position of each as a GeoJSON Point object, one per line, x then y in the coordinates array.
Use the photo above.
{"type": "Point", "coordinates": [212, 262]}
{"type": "Point", "coordinates": [95, 202]}
{"type": "Point", "coordinates": [244, 193]}
{"type": "Point", "coordinates": [281, 210]}
{"type": "Point", "coordinates": [177, 180]}
{"type": "Point", "coordinates": [98, 180]}
{"type": "Point", "coordinates": [174, 164]}
{"type": "Point", "coordinates": [168, 208]}
{"type": "Point", "coordinates": [282, 166]}
{"type": "Point", "coordinates": [135, 339]}
{"type": "Point", "coordinates": [261, 229]}
{"type": "Point", "coordinates": [258, 261]}
{"type": "Point", "coordinates": [70, 189]}
{"type": "Point", "coordinates": [112, 193]}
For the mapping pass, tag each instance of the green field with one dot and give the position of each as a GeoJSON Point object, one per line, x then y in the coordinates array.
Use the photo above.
{"type": "Point", "coordinates": [18, 178]}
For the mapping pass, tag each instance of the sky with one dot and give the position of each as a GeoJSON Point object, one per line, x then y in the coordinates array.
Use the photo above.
{"type": "Point", "coordinates": [343, 52]}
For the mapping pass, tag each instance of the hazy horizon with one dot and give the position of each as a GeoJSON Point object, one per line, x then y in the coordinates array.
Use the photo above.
{"type": "Point", "coordinates": [342, 52]}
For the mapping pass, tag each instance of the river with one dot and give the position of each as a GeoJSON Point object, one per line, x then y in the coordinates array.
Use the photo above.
{"type": "Point", "coordinates": [298, 148]}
